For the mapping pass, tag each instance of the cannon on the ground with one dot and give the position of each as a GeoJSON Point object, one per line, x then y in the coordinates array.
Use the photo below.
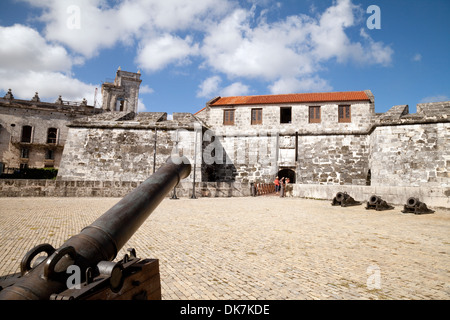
{"type": "Point", "coordinates": [378, 204]}
{"type": "Point", "coordinates": [413, 205]}
{"type": "Point", "coordinates": [343, 199]}
{"type": "Point", "coordinates": [83, 267]}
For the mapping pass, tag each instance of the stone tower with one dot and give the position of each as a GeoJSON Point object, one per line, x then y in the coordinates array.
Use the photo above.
{"type": "Point", "coordinates": [122, 95]}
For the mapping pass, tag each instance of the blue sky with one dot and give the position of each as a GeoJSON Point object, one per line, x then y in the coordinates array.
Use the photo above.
{"type": "Point", "coordinates": [190, 51]}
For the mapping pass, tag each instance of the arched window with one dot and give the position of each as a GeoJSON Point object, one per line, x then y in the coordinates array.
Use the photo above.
{"type": "Point", "coordinates": [52, 135]}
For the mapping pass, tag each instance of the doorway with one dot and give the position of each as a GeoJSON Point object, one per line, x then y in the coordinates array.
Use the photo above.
{"type": "Point", "coordinates": [287, 173]}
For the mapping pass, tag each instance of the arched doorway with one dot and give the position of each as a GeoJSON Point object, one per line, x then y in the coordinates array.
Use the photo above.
{"type": "Point", "coordinates": [287, 173]}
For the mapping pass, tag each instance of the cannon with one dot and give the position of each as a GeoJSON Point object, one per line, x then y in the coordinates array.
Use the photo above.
{"type": "Point", "coordinates": [343, 199]}
{"type": "Point", "coordinates": [413, 205]}
{"type": "Point", "coordinates": [378, 204]}
{"type": "Point", "coordinates": [83, 268]}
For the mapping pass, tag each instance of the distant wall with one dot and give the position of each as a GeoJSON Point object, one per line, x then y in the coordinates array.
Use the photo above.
{"type": "Point", "coordinates": [410, 155]}
{"type": "Point", "coordinates": [54, 188]}
{"type": "Point", "coordinates": [334, 159]}
{"type": "Point", "coordinates": [433, 197]}
{"type": "Point", "coordinates": [117, 154]}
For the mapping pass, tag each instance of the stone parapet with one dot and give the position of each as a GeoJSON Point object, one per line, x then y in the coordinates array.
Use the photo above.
{"type": "Point", "coordinates": [433, 197]}
{"type": "Point", "coordinates": [73, 188]}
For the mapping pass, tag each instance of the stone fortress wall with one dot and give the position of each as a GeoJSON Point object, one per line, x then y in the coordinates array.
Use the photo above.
{"type": "Point", "coordinates": [395, 154]}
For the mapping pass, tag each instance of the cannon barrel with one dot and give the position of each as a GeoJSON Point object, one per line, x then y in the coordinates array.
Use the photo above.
{"type": "Point", "coordinates": [97, 242]}
{"type": "Point", "coordinates": [341, 196]}
{"type": "Point", "coordinates": [344, 200]}
{"type": "Point", "coordinates": [373, 200]}
{"type": "Point", "coordinates": [413, 202]}
{"type": "Point", "coordinates": [413, 205]}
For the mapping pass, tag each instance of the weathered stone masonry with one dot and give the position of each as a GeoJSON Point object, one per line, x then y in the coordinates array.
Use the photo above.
{"type": "Point", "coordinates": [47, 133]}
{"type": "Point", "coordinates": [325, 142]}
{"type": "Point", "coordinates": [328, 152]}
{"type": "Point", "coordinates": [120, 146]}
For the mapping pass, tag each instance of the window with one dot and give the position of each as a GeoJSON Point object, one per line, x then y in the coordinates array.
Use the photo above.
{"type": "Point", "coordinates": [51, 135]}
{"type": "Point", "coordinates": [24, 166]}
{"type": "Point", "coordinates": [285, 115]}
{"type": "Point", "coordinates": [256, 116]}
{"type": "Point", "coordinates": [26, 134]}
{"type": "Point", "coordinates": [49, 155]}
{"type": "Point", "coordinates": [344, 114]}
{"type": "Point", "coordinates": [120, 104]}
{"type": "Point", "coordinates": [24, 153]}
{"type": "Point", "coordinates": [228, 117]}
{"type": "Point", "coordinates": [314, 114]}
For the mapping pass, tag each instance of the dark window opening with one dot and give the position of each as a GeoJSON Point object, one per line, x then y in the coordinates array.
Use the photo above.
{"type": "Point", "coordinates": [52, 135]}
{"type": "Point", "coordinates": [256, 116]}
{"type": "Point", "coordinates": [24, 153]}
{"type": "Point", "coordinates": [24, 166]}
{"type": "Point", "coordinates": [314, 114]}
{"type": "Point", "coordinates": [228, 117]}
{"type": "Point", "coordinates": [286, 115]}
{"type": "Point", "coordinates": [120, 104]}
{"type": "Point", "coordinates": [26, 134]}
{"type": "Point", "coordinates": [369, 178]}
{"type": "Point", "coordinates": [50, 155]}
{"type": "Point", "coordinates": [344, 114]}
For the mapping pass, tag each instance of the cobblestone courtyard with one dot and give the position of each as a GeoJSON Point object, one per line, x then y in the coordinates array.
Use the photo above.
{"type": "Point", "coordinates": [257, 248]}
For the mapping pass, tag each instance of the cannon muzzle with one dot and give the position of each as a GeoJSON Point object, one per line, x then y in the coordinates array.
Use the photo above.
{"type": "Point", "coordinates": [98, 242]}
{"type": "Point", "coordinates": [343, 199]}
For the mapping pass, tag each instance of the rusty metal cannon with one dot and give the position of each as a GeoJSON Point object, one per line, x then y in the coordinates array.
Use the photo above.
{"type": "Point", "coordinates": [343, 199]}
{"type": "Point", "coordinates": [378, 204]}
{"type": "Point", "coordinates": [92, 251]}
{"type": "Point", "coordinates": [413, 205]}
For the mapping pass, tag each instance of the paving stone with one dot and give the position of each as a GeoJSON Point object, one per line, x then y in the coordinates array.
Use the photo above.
{"type": "Point", "coordinates": [257, 248]}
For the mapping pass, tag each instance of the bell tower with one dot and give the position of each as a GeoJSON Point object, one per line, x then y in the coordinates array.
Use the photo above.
{"type": "Point", "coordinates": [123, 94]}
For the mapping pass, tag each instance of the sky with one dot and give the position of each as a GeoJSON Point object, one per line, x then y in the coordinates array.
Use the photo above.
{"type": "Point", "coordinates": [190, 51]}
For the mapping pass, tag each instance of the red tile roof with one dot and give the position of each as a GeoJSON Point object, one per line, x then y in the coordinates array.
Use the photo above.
{"type": "Point", "coordinates": [293, 98]}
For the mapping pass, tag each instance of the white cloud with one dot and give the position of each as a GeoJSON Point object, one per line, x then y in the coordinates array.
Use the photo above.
{"type": "Point", "coordinates": [417, 57]}
{"type": "Point", "coordinates": [145, 89]}
{"type": "Point", "coordinates": [235, 89]}
{"type": "Point", "coordinates": [290, 85]}
{"type": "Point", "coordinates": [209, 87]}
{"type": "Point", "coordinates": [49, 85]}
{"type": "Point", "coordinates": [229, 39]}
{"type": "Point", "coordinates": [289, 53]}
{"type": "Point", "coordinates": [23, 48]}
{"type": "Point", "coordinates": [29, 64]}
{"type": "Point", "coordinates": [437, 98]}
{"type": "Point", "coordinates": [267, 51]}
{"type": "Point", "coordinates": [156, 54]}
{"type": "Point", "coordinates": [141, 106]}
{"type": "Point", "coordinates": [373, 52]}
{"type": "Point", "coordinates": [103, 26]}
